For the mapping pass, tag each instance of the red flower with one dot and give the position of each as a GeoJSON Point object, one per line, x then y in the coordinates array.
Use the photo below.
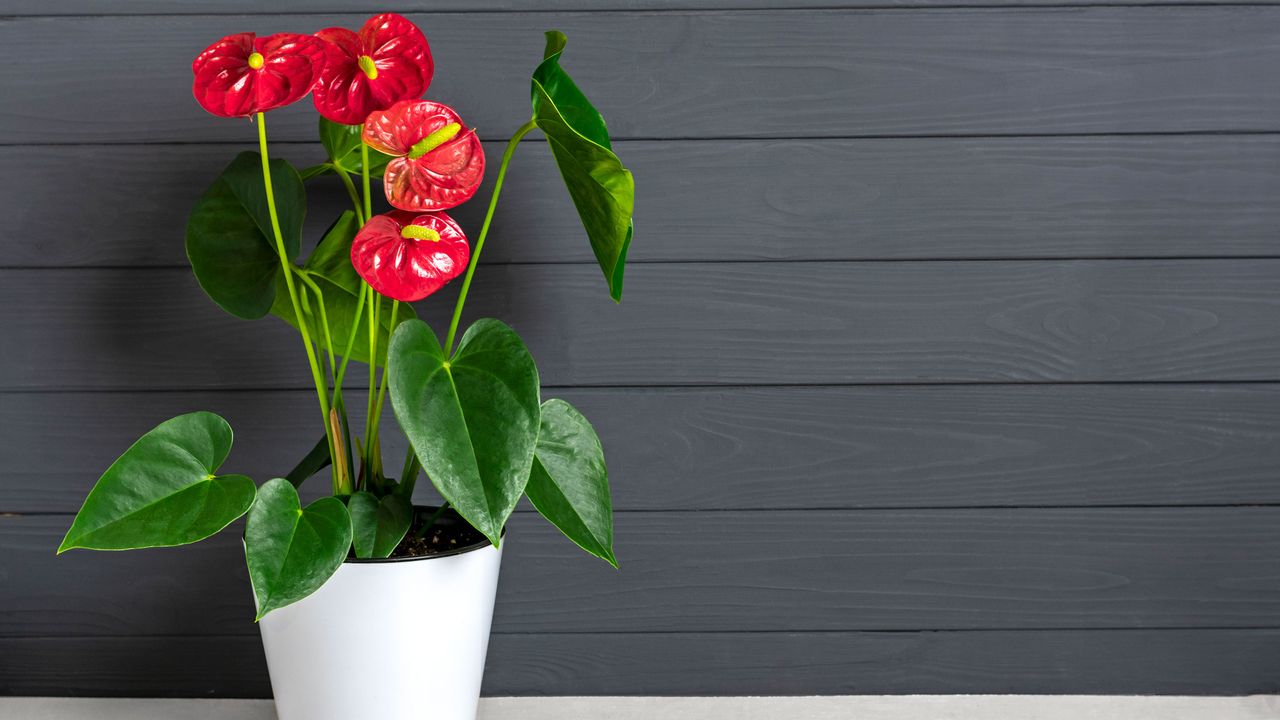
{"type": "Point", "coordinates": [406, 256]}
{"type": "Point", "coordinates": [388, 61]}
{"type": "Point", "coordinates": [439, 163]}
{"type": "Point", "coordinates": [241, 75]}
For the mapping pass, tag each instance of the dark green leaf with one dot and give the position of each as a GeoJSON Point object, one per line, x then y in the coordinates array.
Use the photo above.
{"type": "Point", "coordinates": [332, 256]}
{"type": "Point", "coordinates": [163, 491]}
{"type": "Point", "coordinates": [315, 461]}
{"type": "Point", "coordinates": [569, 484]}
{"type": "Point", "coordinates": [342, 143]}
{"type": "Point", "coordinates": [601, 188]}
{"type": "Point", "coordinates": [473, 420]}
{"type": "Point", "coordinates": [230, 242]}
{"type": "Point", "coordinates": [378, 525]}
{"type": "Point", "coordinates": [292, 551]}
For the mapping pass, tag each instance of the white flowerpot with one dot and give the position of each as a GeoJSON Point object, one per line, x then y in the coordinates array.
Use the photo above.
{"type": "Point", "coordinates": [395, 639]}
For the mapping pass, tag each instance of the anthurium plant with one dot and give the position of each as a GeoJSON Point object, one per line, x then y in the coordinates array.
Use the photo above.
{"type": "Point", "coordinates": [469, 404]}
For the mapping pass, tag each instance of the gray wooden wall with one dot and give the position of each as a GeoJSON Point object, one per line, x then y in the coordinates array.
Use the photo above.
{"type": "Point", "coordinates": [949, 362]}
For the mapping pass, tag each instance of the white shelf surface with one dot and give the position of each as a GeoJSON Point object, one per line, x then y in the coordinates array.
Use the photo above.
{"type": "Point", "coordinates": [914, 707]}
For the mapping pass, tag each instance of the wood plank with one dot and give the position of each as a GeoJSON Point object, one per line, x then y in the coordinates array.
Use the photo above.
{"type": "Point", "coordinates": [712, 323]}
{"type": "Point", "coordinates": [226, 7]}
{"type": "Point", "coordinates": [731, 571]}
{"type": "Point", "coordinates": [1188, 662]}
{"type": "Point", "coordinates": [761, 448]}
{"type": "Point", "coordinates": [703, 74]}
{"type": "Point", "coordinates": [916, 198]}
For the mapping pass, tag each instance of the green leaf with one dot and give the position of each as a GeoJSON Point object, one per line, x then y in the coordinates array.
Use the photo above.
{"type": "Point", "coordinates": [330, 268]}
{"type": "Point", "coordinates": [230, 242]}
{"type": "Point", "coordinates": [342, 143]}
{"type": "Point", "coordinates": [473, 419]}
{"type": "Point", "coordinates": [315, 461]}
{"type": "Point", "coordinates": [569, 484]}
{"type": "Point", "coordinates": [378, 526]}
{"type": "Point", "coordinates": [601, 188]}
{"type": "Point", "coordinates": [332, 256]}
{"type": "Point", "coordinates": [292, 551]}
{"type": "Point", "coordinates": [163, 491]}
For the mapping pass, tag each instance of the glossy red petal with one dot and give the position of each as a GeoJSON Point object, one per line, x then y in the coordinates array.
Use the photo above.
{"type": "Point", "coordinates": [398, 50]}
{"type": "Point", "coordinates": [409, 269]}
{"type": "Point", "coordinates": [224, 83]}
{"type": "Point", "coordinates": [445, 176]}
{"type": "Point", "coordinates": [395, 130]}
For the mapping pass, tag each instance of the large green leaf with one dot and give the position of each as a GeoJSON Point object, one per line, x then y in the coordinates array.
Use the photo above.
{"type": "Point", "coordinates": [569, 484]}
{"type": "Point", "coordinates": [163, 490]}
{"type": "Point", "coordinates": [329, 267]}
{"type": "Point", "coordinates": [601, 188]}
{"type": "Point", "coordinates": [291, 551]}
{"type": "Point", "coordinates": [472, 419]}
{"type": "Point", "coordinates": [378, 525]}
{"type": "Point", "coordinates": [230, 242]}
{"type": "Point", "coordinates": [342, 143]}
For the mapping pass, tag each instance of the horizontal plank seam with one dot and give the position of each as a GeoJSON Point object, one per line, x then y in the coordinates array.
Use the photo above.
{"type": "Point", "coordinates": [817, 7]}
{"type": "Point", "coordinates": [772, 509]}
{"type": "Point", "coordinates": [688, 387]}
{"type": "Point", "coordinates": [675, 386]}
{"type": "Point", "coordinates": [584, 633]}
{"type": "Point", "coordinates": [1239, 132]}
{"type": "Point", "coordinates": [749, 261]}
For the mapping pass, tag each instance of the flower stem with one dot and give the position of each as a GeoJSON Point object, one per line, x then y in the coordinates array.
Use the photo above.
{"type": "Point", "coordinates": [339, 488]}
{"type": "Point", "coordinates": [484, 232]}
{"type": "Point", "coordinates": [364, 179]}
{"type": "Point", "coordinates": [382, 387]}
{"type": "Point", "coordinates": [353, 194]}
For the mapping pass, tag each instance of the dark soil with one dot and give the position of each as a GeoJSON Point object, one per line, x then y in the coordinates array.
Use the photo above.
{"type": "Point", "coordinates": [449, 533]}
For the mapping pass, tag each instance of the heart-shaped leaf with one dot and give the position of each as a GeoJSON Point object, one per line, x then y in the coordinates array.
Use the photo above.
{"type": "Point", "coordinates": [230, 242]}
{"type": "Point", "coordinates": [342, 143]}
{"type": "Point", "coordinates": [329, 267]}
{"type": "Point", "coordinates": [601, 188]}
{"type": "Point", "coordinates": [472, 419]}
{"type": "Point", "coordinates": [291, 551]}
{"type": "Point", "coordinates": [569, 484]}
{"type": "Point", "coordinates": [163, 491]}
{"type": "Point", "coordinates": [378, 525]}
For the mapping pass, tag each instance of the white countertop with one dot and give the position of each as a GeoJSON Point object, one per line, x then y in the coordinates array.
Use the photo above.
{"type": "Point", "coordinates": [917, 707]}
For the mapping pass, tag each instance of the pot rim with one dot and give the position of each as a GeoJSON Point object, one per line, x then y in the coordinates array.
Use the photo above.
{"type": "Point", "coordinates": [449, 515]}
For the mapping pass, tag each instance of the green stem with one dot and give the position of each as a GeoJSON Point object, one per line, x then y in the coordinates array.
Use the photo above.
{"type": "Point", "coordinates": [285, 265]}
{"type": "Point", "coordinates": [324, 316]}
{"type": "Point", "coordinates": [484, 232]}
{"type": "Point", "coordinates": [382, 387]}
{"type": "Point", "coordinates": [408, 474]}
{"type": "Point", "coordinates": [364, 179]}
{"type": "Point", "coordinates": [351, 341]}
{"type": "Point", "coordinates": [422, 532]}
{"type": "Point", "coordinates": [354, 195]}
{"type": "Point", "coordinates": [374, 302]}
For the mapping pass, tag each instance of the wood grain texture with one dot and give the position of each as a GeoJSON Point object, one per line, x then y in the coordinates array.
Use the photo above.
{"type": "Point", "coordinates": [702, 323]}
{"type": "Point", "coordinates": [732, 200]}
{"type": "Point", "coordinates": [703, 74]}
{"type": "Point", "coordinates": [761, 448]}
{"type": "Point", "coordinates": [736, 571]}
{"type": "Point", "coordinates": [1190, 662]}
{"type": "Point", "coordinates": [225, 7]}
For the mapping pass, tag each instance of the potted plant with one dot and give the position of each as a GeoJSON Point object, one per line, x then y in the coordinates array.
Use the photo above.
{"type": "Point", "coordinates": [354, 587]}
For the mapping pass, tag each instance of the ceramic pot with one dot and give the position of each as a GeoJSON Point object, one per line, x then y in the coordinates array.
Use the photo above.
{"type": "Point", "coordinates": [395, 639]}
